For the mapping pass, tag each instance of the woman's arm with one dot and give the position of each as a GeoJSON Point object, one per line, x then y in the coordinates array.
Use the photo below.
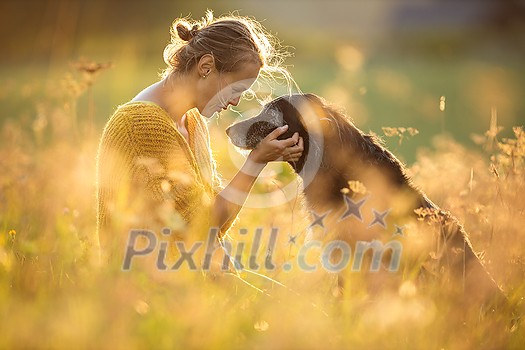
{"type": "Point", "coordinates": [230, 200]}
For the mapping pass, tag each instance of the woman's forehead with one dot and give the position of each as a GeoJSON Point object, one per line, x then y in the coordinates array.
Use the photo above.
{"type": "Point", "coordinates": [246, 75]}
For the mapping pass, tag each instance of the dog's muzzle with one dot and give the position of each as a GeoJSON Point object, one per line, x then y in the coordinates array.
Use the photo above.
{"type": "Point", "coordinates": [247, 134]}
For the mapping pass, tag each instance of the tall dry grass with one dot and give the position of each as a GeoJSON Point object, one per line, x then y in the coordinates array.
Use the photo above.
{"type": "Point", "coordinates": [53, 296]}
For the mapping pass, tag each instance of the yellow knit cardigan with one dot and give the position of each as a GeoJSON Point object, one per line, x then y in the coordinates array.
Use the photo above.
{"type": "Point", "coordinates": [150, 177]}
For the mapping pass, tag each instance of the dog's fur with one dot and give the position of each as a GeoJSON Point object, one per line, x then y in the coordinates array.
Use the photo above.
{"type": "Point", "coordinates": [349, 154]}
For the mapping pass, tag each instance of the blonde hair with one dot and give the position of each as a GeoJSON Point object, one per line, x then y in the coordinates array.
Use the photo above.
{"type": "Point", "coordinates": [232, 40]}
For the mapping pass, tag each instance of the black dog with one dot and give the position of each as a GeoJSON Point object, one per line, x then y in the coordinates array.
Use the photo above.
{"type": "Point", "coordinates": [336, 152]}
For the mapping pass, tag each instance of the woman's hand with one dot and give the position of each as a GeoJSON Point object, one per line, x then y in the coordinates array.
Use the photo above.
{"type": "Point", "coordinates": [271, 149]}
{"type": "Point", "coordinates": [231, 199]}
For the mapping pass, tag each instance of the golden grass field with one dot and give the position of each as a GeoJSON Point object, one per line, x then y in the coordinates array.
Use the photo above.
{"type": "Point", "coordinates": [53, 295]}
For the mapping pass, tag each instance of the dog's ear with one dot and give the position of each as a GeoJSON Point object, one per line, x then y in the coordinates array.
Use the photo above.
{"type": "Point", "coordinates": [292, 118]}
{"type": "Point", "coordinates": [290, 111]}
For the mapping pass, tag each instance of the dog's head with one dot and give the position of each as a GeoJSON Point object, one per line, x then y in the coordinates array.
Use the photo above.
{"type": "Point", "coordinates": [284, 110]}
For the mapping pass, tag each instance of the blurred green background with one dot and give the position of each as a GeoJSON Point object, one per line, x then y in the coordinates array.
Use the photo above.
{"type": "Point", "coordinates": [388, 63]}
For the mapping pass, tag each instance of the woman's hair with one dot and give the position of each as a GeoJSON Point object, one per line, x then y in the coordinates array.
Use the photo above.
{"type": "Point", "coordinates": [232, 40]}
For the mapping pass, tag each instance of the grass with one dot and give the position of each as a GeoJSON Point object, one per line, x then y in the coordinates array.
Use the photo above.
{"type": "Point", "coordinates": [53, 296]}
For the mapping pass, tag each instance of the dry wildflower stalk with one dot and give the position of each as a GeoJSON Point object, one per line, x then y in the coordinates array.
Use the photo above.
{"type": "Point", "coordinates": [510, 152]}
{"type": "Point", "coordinates": [75, 86]}
{"type": "Point", "coordinates": [354, 187]}
{"type": "Point", "coordinates": [400, 132]}
{"type": "Point", "coordinates": [261, 326]}
{"type": "Point", "coordinates": [357, 187]}
{"type": "Point", "coordinates": [90, 69]}
{"type": "Point", "coordinates": [493, 131]}
{"type": "Point", "coordinates": [511, 156]}
{"type": "Point", "coordinates": [442, 103]}
{"type": "Point", "coordinates": [429, 214]}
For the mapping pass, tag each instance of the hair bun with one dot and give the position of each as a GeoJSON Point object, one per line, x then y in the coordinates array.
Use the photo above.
{"type": "Point", "coordinates": [185, 33]}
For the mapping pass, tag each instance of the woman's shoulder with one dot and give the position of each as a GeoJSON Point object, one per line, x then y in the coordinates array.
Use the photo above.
{"type": "Point", "coordinates": [135, 120]}
{"type": "Point", "coordinates": [139, 114]}
{"type": "Point", "coordinates": [135, 108]}
{"type": "Point", "coordinates": [146, 124]}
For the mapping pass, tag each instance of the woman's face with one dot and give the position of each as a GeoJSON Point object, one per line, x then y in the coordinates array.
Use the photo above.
{"type": "Point", "coordinates": [219, 90]}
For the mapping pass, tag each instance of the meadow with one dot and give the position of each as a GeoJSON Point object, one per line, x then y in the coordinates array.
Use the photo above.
{"type": "Point", "coordinates": [53, 294]}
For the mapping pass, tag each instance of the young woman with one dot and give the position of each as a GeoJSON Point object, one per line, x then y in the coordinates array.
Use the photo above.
{"type": "Point", "coordinates": [155, 169]}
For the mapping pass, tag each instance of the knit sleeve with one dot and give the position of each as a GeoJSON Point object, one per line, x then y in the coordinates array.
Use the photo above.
{"type": "Point", "coordinates": [164, 169]}
{"type": "Point", "coordinates": [200, 139]}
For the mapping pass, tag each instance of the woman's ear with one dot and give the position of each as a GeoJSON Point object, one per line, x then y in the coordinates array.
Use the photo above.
{"type": "Point", "coordinates": [205, 65]}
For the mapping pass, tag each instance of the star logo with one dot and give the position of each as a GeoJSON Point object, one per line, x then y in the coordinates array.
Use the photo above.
{"type": "Point", "coordinates": [291, 239]}
{"type": "Point", "coordinates": [353, 208]}
{"type": "Point", "coordinates": [399, 231]}
{"type": "Point", "coordinates": [379, 218]}
{"type": "Point", "coordinates": [318, 219]}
